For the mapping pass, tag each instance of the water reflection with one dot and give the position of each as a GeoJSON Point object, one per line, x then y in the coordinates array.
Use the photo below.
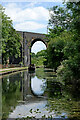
{"type": "Point", "coordinates": [38, 86]}
{"type": "Point", "coordinates": [36, 94]}
{"type": "Point", "coordinates": [32, 85]}
{"type": "Point", "coordinates": [11, 93]}
{"type": "Point", "coordinates": [20, 88]}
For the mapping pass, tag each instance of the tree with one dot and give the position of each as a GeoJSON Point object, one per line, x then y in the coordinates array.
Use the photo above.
{"type": "Point", "coordinates": [67, 44]}
{"type": "Point", "coordinates": [55, 51]}
{"type": "Point", "coordinates": [10, 38]}
{"type": "Point", "coordinates": [74, 8]}
{"type": "Point", "coordinates": [62, 19]}
{"type": "Point", "coordinates": [69, 70]}
{"type": "Point", "coordinates": [59, 17]}
{"type": "Point", "coordinates": [39, 59]}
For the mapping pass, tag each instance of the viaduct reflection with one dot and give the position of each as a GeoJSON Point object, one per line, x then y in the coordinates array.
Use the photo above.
{"type": "Point", "coordinates": [32, 86]}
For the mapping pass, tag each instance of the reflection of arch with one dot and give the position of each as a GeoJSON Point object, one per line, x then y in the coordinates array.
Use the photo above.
{"type": "Point", "coordinates": [40, 83]}
{"type": "Point", "coordinates": [27, 89]}
{"type": "Point", "coordinates": [34, 93]}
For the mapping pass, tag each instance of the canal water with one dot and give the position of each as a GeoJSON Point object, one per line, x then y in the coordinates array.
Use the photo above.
{"type": "Point", "coordinates": [38, 95]}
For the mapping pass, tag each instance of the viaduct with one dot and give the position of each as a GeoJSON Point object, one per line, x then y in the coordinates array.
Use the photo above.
{"type": "Point", "coordinates": [28, 39]}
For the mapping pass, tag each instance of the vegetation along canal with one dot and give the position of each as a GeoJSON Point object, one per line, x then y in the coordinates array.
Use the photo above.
{"type": "Point", "coordinates": [38, 95]}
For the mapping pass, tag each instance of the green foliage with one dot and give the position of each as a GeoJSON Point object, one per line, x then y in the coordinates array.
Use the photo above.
{"type": "Point", "coordinates": [10, 38]}
{"type": "Point", "coordinates": [71, 68]}
{"type": "Point", "coordinates": [55, 49]}
{"type": "Point", "coordinates": [74, 8]}
{"type": "Point", "coordinates": [67, 17]}
{"type": "Point", "coordinates": [54, 32]}
{"type": "Point", "coordinates": [58, 35]}
{"type": "Point", "coordinates": [59, 17]}
{"type": "Point", "coordinates": [63, 51]}
{"type": "Point", "coordinates": [39, 58]}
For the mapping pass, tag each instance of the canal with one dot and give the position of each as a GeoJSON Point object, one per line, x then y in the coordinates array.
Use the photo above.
{"type": "Point", "coordinates": [38, 95]}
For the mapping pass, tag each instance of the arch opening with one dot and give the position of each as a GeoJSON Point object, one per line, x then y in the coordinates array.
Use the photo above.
{"type": "Point", "coordinates": [38, 47]}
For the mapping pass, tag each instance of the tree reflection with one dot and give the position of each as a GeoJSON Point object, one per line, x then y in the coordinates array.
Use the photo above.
{"type": "Point", "coordinates": [54, 89]}
{"type": "Point", "coordinates": [63, 98]}
{"type": "Point", "coordinates": [11, 87]}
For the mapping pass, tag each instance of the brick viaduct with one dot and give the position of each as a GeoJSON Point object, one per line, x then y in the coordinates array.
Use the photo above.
{"type": "Point", "coordinates": [28, 39]}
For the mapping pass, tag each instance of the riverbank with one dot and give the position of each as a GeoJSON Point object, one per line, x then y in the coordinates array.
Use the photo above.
{"type": "Point", "coordinates": [11, 70]}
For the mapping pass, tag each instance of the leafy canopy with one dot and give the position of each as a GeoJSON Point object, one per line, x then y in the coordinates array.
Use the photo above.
{"type": "Point", "coordinates": [10, 38]}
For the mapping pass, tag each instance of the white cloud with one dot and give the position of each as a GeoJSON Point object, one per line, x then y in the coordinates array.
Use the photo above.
{"type": "Point", "coordinates": [37, 13]}
{"type": "Point", "coordinates": [27, 17]}
{"type": "Point", "coordinates": [29, 26]}
{"type": "Point", "coordinates": [31, 13]}
{"type": "Point", "coordinates": [12, 10]}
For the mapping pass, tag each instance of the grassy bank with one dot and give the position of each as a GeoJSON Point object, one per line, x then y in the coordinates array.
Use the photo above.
{"type": "Point", "coordinates": [10, 70]}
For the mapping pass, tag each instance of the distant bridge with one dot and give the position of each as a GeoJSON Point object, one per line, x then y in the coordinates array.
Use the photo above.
{"type": "Point", "coordinates": [28, 39]}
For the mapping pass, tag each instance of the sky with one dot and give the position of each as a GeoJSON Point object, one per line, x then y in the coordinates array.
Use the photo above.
{"type": "Point", "coordinates": [30, 16]}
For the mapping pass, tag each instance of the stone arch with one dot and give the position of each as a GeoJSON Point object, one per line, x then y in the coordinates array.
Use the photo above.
{"type": "Point", "coordinates": [37, 39]}
{"type": "Point", "coordinates": [28, 39]}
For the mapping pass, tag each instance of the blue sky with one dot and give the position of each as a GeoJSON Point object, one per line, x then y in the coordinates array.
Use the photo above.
{"type": "Point", "coordinates": [30, 16]}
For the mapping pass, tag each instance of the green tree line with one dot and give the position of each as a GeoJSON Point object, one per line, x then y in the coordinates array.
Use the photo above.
{"type": "Point", "coordinates": [10, 39]}
{"type": "Point", "coordinates": [39, 59]}
{"type": "Point", "coordinates": [63, 52]}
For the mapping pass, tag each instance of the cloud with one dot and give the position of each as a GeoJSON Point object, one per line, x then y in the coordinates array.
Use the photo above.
{"type": "Point", "coordinates": [29, 26]}
{"type": "Point", "coordinates": [12, 10]}
{"type": "Point", "coordinates": [36, 13]}
{"type": "Point", "coordinates": [29, 13]}
{"type": "Point", "coordinates": [27, 17]}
